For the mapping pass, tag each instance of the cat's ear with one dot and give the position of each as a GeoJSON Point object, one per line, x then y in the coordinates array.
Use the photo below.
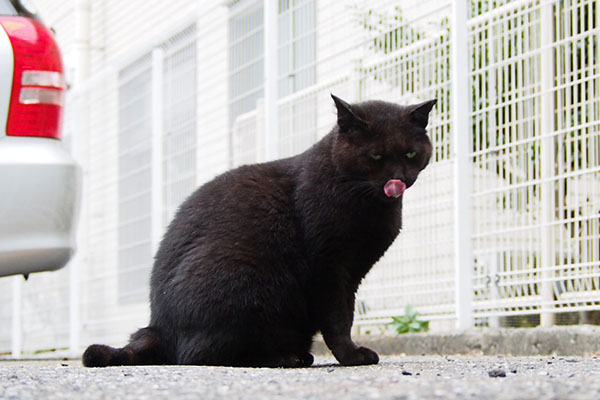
{"type": "Point", "coordinates": [346, 117]}
{"type": "Point", "coordinates": [419, 113]}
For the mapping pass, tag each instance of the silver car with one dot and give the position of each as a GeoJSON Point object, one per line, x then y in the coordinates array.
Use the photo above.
{"type": "Point", "coordinates": [39, 180]}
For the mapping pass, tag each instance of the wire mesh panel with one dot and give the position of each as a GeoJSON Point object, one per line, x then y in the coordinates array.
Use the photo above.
{"type": "Point", "coordinates": [296, 56]}
{"type": "Point", "coordinates": [297, 45]}
{"type": "Point", "coordinates": [42, 317]}
{"type": "Point", "coordinates": [45, 311]}
{"type": "Point", "coordinates": [406, 60]}
{"type": "Point", "coordinates": [506, 103]}
{"type": "Point", "coordinates": [247, 137]}
{"type": "Point", "coordinates": [246, 64]}
{"type": "Point", "coordinates": [122, 198]}
{"type": "Point", "coordinates": [135, 179]}
{"type": "Point", "coordinates": [296, 52]}
{"type": "Point", "coordinates": [246, 89]}
{"type": "Point", "coordinates": [180, 122]}
{"type": "Point", "coordinates": [107, 296]}
{"type": "Point", "coordinates": [576, 274]}
{"type": "Point", "coordinates": [535, 142]}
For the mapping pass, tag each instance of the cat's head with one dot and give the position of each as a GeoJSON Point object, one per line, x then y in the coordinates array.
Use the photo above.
{"type": "Point", "coordinates": [381, 146]}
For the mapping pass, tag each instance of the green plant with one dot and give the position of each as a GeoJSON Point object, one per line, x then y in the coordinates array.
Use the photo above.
{"type": "Point", "coordinates": [409, 322]}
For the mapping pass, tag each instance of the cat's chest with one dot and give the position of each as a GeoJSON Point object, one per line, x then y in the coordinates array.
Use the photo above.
{"type": "Point", "coordinates": [372, 230]}
{"type": "Point", "coordinates": [353, 232]}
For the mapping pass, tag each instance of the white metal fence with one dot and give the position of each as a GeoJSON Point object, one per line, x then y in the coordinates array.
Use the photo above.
{"type": "Point", "coordinates": [154, 126]}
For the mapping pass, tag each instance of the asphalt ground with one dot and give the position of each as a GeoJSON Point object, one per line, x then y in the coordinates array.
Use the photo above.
{"type": "Point", "coordinates": [395, 377]}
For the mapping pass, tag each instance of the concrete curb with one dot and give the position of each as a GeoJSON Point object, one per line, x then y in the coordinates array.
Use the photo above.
{"type": "Point", "coordinates": [582, 340]}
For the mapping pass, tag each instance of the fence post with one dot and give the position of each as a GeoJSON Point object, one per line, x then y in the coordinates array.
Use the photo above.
{"type": "Point", "coordinates": [17, 320]}
{"type": "Point", "coordinates": [461, 140]}
{"type": "Point", "coordinates": [270, 43]}
{"type": "Point", "coordinates": [157, 146]}
{"type": "Point", "coordinates": [547, 164]}
{"type": "Point", "coordinates": [78, 124]}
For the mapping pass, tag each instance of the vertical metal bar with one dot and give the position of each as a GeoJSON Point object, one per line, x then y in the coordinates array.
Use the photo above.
{"type": "Point", "coordinates": [356, 79]}
{"type": "Point", "coordinates": [79, 123]}
{"type": "Point", "coordinates": [463, 250]}
{"type": "Point", "coordinates": [157, 146]}
{"type": "Point", "coordinates": [270, 79]}
{"type": "Point", "coordinates": [17, 320]}
{"type": "Point", "coordinates": [357, 63]}
{"type": "Point", "coordinates": [547, 163]}
{"type": "Point", "coordinates": [74, 302]}
{"type": "Point", "coordinates": [259, 144]}
{"type": "Point", "coordinates": [82, 39]}
{"type": "Point", "coordinates": [79, 144]}
{"type": "Point", "coordinates": [74, 298]}
{"type": "Point", "coordinates": [494, 321]}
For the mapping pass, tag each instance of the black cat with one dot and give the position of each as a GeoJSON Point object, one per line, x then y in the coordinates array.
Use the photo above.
{"type": "Point", "coordinates": [264, 256]}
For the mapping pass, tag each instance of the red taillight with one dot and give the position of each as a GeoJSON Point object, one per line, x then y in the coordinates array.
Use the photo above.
{"type": "Point", "coordinates": [38, 91]}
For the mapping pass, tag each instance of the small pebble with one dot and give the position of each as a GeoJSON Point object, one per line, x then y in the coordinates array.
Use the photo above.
{"type": "Point", "coordinates": [406, 373]}
{"type": "Point", "coordinates": [497, 373]}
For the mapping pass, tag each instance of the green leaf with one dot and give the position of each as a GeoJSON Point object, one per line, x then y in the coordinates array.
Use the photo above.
{"type": "Point", "coordinates": [410, 311]}
{"type": "Point", "coordinates": [402, 329]}
{"type": "Point", "coordinates": [414, 326]}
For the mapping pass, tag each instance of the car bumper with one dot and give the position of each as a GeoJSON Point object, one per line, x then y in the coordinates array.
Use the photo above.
{"type": "Point", "coordinates": [40, 187]}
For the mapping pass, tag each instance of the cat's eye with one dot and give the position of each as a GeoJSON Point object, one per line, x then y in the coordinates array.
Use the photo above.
{"type": "Point", "coordinates": [375, 156]}
{"type": "Point", "coordinates": [411, 154]}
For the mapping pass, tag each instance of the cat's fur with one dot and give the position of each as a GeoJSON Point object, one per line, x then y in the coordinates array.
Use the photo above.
{"type": "Point", "coordinates": [264, 256]}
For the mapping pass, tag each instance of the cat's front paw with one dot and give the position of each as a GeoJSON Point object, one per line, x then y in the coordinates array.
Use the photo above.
{"type": "Point", "coordinates": [357, 356]}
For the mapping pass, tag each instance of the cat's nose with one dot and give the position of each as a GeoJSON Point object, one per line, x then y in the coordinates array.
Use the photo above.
{"type": "Point", "coordinates": [404, 176]}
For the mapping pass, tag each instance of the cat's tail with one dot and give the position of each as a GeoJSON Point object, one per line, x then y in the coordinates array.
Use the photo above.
{"type": "Point", "coordinates": [144, 348]}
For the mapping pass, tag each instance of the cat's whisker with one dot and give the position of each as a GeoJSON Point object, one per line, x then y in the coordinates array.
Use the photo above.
{"type": "Point", "coordinates": [361, 190]}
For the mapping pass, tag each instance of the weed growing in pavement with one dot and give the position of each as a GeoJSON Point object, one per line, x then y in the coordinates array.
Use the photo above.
{"type": "Point", "coordinates": [409, 322]}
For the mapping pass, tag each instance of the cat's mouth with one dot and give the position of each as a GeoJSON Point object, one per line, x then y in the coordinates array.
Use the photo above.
{"type": "Point", "coordinates": [394, 188]}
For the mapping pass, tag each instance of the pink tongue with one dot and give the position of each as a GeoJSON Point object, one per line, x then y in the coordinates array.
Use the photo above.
{"type": "Point", "coordinates": [394, 188]}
